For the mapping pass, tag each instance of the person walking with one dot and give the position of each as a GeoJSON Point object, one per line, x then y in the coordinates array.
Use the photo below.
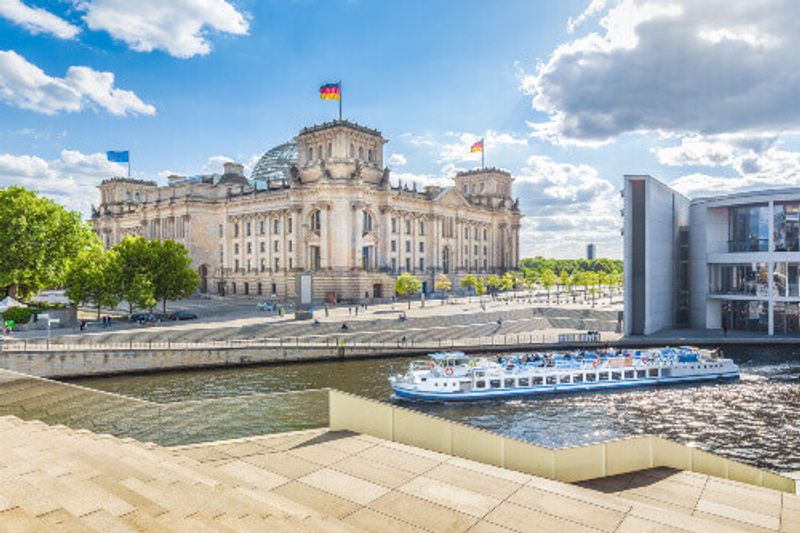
{"type": "Point", "coordinates": [326, 310]}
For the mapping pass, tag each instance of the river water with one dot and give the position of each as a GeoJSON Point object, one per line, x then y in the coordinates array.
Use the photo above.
{"type": "Point", "coordinates": [755, 420]}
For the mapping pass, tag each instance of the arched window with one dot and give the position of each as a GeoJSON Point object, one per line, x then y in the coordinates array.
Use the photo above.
{"type": "Point", "coordinates": [330, 149]}
{"type": "Point", "coordinates": [137, 197]}
{"type": "Point", "coordinates": [352, 150]}
{"type": "Point", "coordinates": [316, 220]}
{"type": "Point", "coordinates": [369, 155]}
{"type": "Point", "coordinates": [367, 221]}
{"type": "Point", "coordinates": [361, 153]}
{"type": "Point", "coordinates": [446, 260]}
{"type": "Point", "coordinates": [128, 196]}
{"type": "Point", "coordinates": [310, 153]}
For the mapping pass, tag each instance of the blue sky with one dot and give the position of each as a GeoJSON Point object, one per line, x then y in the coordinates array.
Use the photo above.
{"type": "Point", "coordinates": [570, 95]}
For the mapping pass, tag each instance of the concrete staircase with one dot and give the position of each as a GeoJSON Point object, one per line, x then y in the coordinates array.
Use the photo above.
{"type": "Point", "coordinates": [54, 477]}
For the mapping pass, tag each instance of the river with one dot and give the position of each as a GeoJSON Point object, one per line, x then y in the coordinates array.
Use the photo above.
{"type": "Point", "coordinates": [755, 420]}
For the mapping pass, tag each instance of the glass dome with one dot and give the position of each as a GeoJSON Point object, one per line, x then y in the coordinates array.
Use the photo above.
{"type": "Point", "coordinates": [275, 163]}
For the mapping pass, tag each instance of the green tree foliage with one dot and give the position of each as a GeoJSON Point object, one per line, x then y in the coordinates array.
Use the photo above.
{"type": "Point", "coordinates": [480, 286]}
{"type": "Point", "coordinates": [141, 292]}
{"type": "Point", "coordinates": [135, 262]}
{"type": "Point", "coordinates": [171, 271]}
{"type": "Point", "coordinates": [443, 285]}
{"type": "Point", "coordinates": [536, 265]}
{"type": "Point", "coordinates": [407, 285]}
{"type": "Point", "coordinates": [470, 282]}
{"type": "Point", "coordinates": [20, 315]}
{"type": "Point", "coordinates": [93, 278]}
{"type": "Point", "coordinates": [548, 278]}
{"type": "Point", "coordinates": [494, 283]}
{"type": "Point", "coordinates": [38, 238]}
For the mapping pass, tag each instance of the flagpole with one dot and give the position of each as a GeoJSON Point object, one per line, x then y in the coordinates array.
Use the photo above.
{"type": "Point", "coordinates": [340, 100]}
{"type": "Point", "coordinates": [129, 164]}
{"type": "Point", "coordinates": [483, 154]}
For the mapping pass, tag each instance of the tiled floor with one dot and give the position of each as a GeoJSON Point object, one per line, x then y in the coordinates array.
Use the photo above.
{"type": "Point", "coordinates": [55, 478]}
{"type": "Point", "coordinates": [725, 502]}
{"type": "Point", "coordinates": [378, 485]}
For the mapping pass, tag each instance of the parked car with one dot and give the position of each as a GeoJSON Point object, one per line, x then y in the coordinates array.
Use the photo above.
{"type": "Point", "coordinates": [142, 317]}
{"type": "Point", "coordinates": [182, 315]}
{"type": "Point", "coordinates": [266, 305]}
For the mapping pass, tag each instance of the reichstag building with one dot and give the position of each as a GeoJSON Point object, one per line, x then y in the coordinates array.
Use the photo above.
{"type": "Point", "coordinates": [323, 204]}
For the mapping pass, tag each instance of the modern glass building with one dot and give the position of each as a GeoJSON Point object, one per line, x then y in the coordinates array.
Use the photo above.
{"type": "Point", "coordinates": [727, 262]}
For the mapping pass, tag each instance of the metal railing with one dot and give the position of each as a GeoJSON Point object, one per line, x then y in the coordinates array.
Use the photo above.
{"type": "Point", "coordinates": [328, 342]}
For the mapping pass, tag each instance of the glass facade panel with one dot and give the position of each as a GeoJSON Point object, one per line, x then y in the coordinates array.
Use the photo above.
{"type": "Point", "coordinates": [786, 318]}
{"type": "Point", "coordinates": [786, 226]}
{"type": "Point", "coordinates": [746, 316]}
{"type": "Point", "coordinates": [779, 279]}
{"type": "Point", "coordinates": [744, 279]}
{"type": "Point", "coordinates": [748, 228]}
{"type": "Point", "coordinates": [786, 279]}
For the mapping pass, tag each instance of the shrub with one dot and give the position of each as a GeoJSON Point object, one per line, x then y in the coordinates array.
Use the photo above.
{"type": "Point", "coordinates": [20, 315]}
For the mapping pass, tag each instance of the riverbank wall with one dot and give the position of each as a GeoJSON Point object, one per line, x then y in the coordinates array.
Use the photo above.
{"type": "Point", "coordinates": [95, 361]}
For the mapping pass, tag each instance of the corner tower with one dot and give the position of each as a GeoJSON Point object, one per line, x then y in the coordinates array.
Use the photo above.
{"type": "Point", "coordinates": [485, 186]}
{"type": "Point", "coordinates": [340, 150]}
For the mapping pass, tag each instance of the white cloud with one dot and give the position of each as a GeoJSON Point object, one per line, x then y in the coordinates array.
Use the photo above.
{"type": "Point", "coordinates": [456, 146]}
{"type": "Point", "coordinates": [25, 85]}
{"type": "Point", "coordinates": [594, 7]}
{"type": "Point", "coordinates": [710, 67]}
{"type": "Point", "coordinates": [397, 160]}
{"type": "Point", "coordinates": [37, 20]}
{"type": "Point", "coordinates": [566, 206]}
{"type": "Point", "coordinates": [179, 27]}
{"type": "Point", "coordinates": [71, 180]}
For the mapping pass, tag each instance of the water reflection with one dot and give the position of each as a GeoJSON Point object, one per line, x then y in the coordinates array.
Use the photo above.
{"type": "Point", "coordinates": [755, 420]}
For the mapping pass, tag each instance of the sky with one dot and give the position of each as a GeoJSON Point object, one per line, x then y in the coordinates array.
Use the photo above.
{"type": "Point", "coordinates": [569, 96]}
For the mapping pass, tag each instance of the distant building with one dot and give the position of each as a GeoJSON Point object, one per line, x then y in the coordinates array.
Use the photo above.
{"type": "Point", "coordinates": [590, 251]}
{"type": "Point", "coordinates": [728, 261]}
{"type": "Point", "coordinates": [322, 204]}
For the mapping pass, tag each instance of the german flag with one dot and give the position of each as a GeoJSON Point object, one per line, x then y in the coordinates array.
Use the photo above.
{"type": "Point", "coordinates": [331, 91]}
{"type": "Point", "coordinates": [477, 147]}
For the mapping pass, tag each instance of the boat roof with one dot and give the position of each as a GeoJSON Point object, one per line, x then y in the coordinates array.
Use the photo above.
{"type": "Point", "coordinates": [441, 356]}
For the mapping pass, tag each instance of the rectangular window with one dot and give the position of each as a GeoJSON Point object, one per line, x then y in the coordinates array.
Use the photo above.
{"type": "Point", "coordinates": [408, 247]}
{"type": "Point", "coordinates": [653, 373]}
{"type": "Point", "coordinates": [276, 225]}
{"type": "Point", "coordinates": [263, 246]}
{"type": "Point", "coordinates": [394, 246]}
{"type": "Point", "coordinates": [236, 229]}
{"type": "Point", "coordinates": [485, 235]}
{"type": "Point", "coordinates": [408, 227]}
{"type": "Point", "coordinates": [236, 265]}
{"type": "Point", "coordinates": [289, 225]}
{"type": "Point", "coordinates": [591, 376]}
{"type": "Point", "coordinates": [277, 264]}
{"type": "Point", "coordinates": [616, 376]}
{"type": "Point", "coordinates": [564, 378]}
{"type": "Point", "coordinates": [275, 246]}
{"type": "Point", "coordinates": [220, 231]}
{"type": "Point", "coordinates": [394, 225]}
{"type": "Point", "coordinates": [551, 380]}
{"type": "Point", "coordinates": [640, 374]}
{"type": "Point", "coordinates": [494, 383]}
{"type": "Point", "coordinates": [509, 383]}
{"type": "Point", "coordinates": [421, 264]}
{"type": "Point", "coordinates": [577, 378]}
{"type": "Point", "coordinates": [262, 229]}
{"type": "Point", "coordinates": [249, 247]}
{"type": "Point", "coordinates": [523, 382]}
{"type": "Point", "coordinates": [236, 248]}
{"type": "Point", "coordinates": [786, 226]}
{"type": "Point", "coordinates": [748, 228]}
{"type": "Point", "coordinates": [537, 380]}
{"type": "Point", "coordinates": [274, 288]}
{"type": "Point", "coordinates": [603, 376]}
{"type": "Point", "coordinates": [394, 264]}
{"type": "Point", "coordinates": [421, 247]}
{"type": "Point", "coordinates": [422, 228]}
{"type": "Point", "coordinates": [248, 229]}
{"type": "Point", "coordinates": [289, 244]}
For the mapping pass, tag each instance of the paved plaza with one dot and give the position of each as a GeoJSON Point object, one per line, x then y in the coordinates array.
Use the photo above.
{"type": "Point", "coordinates": [319, 480]}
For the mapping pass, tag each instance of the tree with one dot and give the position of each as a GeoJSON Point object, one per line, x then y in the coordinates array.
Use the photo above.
{"type": "Point", "coordinates": [37, 241]}
{"type": "Point", "coordinates": [494, 283]}
{"type": "Point", "coordinates": [93, 278]}
{"type": "Point", "coordinates": [407, 285]}
{"type": "Point", "coordinates": [141, 292]}
{"type": "Point", "coordinates": [171, 273]}
{"type": "Point", "coordinates": [480, 287]}
{"type": "Point", "coordinates": [470, 283]}
{"type": "Point", "coordinates": [509, 281]}
{"type": "Point", "coordinates": [134, 255]}
{"type": "Point", "coordinates": [548, 279]}
{"type": "Point", "coordinates": [443, 285]}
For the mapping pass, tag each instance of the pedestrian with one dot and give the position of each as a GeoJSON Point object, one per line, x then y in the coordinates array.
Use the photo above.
{"type": "Point", "coordinates": [356, 310]}
{"type": "Point", "coordinates": [349, 310]}
{"type": "Point", "coordinates": [326, 310]}
{"type": "Point", "coordinates": [83, 325]}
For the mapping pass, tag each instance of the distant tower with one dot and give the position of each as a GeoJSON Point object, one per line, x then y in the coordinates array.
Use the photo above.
{"type": "Point", "coordinates": [485, 186]}
{"type": "Point", "coordinates": [590, 251]}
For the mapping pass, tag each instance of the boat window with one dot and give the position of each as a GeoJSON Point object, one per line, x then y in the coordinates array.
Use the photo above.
{"type": "Point", "coordinates": [641, 373]}
{"type": "Point", "coordinates": [577, 378]}
{"type": "Point", "coordinates": [480, 384]}
{"type": "Point", "coordinates": [424, 379]}
{"type": "Point", "coordinates": [478, 374]}
{"type": "Point", "coordinates": [565, 378]}
{"type": "Point", "coordinates": [591, 376]}
{"type": "Point", "coordinates": [509, 383]}
{"type": "Point", "coordinates": [551, 380]}
{"type": "Point", "coordinates": [629, 374]}
{"type": "Point", "coordinates": [616, 375]}
{"type": "Point", "coordinates": [537, 380]}
{"type": "Point", "coordinates": [653, 372]}
{"type": "Point", "coordinates": [495, 383]}
{"type": "Point", "coordinates": [603, 376]}
{"type": "Point", "coordinates": [524, 382]}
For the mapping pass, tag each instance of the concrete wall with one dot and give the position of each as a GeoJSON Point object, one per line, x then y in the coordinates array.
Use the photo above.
{"type": "Point", "coordinates": [387, 421]}
{"type": "Point", "coordinates": [664, 211]}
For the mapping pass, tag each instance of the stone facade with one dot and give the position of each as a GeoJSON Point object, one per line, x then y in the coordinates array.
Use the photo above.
{"type": "Point", "coordinates": [334, 213]}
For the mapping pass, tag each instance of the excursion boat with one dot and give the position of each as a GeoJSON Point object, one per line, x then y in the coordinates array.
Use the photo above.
{"type": "Point", "coordinates": [456, 376]}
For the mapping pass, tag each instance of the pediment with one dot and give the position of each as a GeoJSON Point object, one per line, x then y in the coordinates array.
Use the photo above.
{"type": "Point", "coordinates": [451, 197]}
